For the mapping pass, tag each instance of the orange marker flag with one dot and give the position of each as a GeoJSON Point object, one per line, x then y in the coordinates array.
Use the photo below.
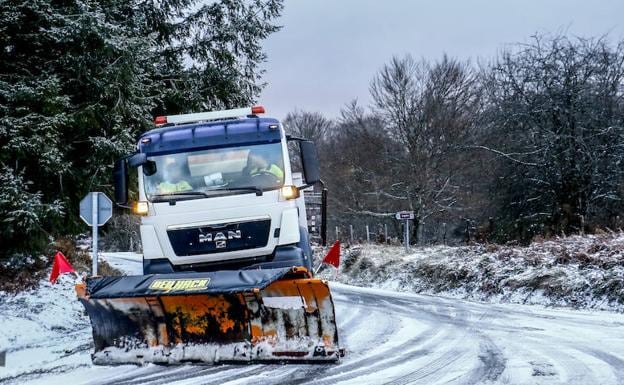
{"type": "Point", "coordinates": [333, 255]}
{"type": "Point", "coordinates": [60, 266]}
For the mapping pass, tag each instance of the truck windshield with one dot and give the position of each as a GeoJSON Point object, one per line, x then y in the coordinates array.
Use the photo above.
{"type": "Point", "coordinates": [216, 172]}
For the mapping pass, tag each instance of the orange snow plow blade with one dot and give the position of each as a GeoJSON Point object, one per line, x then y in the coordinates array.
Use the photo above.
{"type": "Point", "coordinates": [227, 316]}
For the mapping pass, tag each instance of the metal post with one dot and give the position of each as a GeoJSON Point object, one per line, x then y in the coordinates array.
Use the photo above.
{"type": "Point", "coordinates": [94, 233]}
{"type": "Point", "coordinates": [367, 235]}
{"type": "Point", "coordinates": [407, 235]}
{"type": "Point", "coordinates": [351, 232]}
{"type": "Point", "coordinates": [582, 224]}
{"type": "Point", "coordinates": [337, 234]}
{"type": "Point", "coordinates": [324, 217]}
{"type": "Point", "coordinates": [386, 233]}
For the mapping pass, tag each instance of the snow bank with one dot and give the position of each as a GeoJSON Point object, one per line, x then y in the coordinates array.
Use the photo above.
{"type": "Point", "coordinates": [580, 272]}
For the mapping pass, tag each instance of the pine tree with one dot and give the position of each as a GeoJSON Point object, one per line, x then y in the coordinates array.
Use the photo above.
{"type": "Point", "coordinates": [80, 78]}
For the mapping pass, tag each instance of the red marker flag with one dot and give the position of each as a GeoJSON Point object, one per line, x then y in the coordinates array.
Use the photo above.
{"type": "Point", "coordinates": [333, 256]}
{"type": "Point", "coordinates": [60, 266]}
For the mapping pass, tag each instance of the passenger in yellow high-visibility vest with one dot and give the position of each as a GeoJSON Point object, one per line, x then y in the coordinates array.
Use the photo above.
{"type": "Point", "coordinates": [258, 164]}
{"type": "Point", "coordinates": [174, 180]}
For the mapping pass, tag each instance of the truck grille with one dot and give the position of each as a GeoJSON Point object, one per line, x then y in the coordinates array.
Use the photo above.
{"type": "Point", "coordinates": [219, 238]}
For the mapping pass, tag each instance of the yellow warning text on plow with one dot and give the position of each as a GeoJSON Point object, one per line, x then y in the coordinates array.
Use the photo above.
{"type": "Point", "coordinates": [169, 285]}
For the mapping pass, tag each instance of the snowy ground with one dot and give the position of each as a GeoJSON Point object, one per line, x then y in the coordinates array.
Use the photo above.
{"type": "Point", "coordinates": [46, 331]}
{"type": "Point", "coordinates": [391, 338]}
{"type": "Point", "coordinates": [578, 272]}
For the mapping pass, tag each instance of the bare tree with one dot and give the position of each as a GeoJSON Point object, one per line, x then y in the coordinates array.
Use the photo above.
{"type": "Point", "coordinates": [555, 120]}
{"type": "Point", "coordinates": [309, 125]}
{"type": "Point", "coordinates": [430, 109]}
{"type": "Point", "coordinates": [533, 143]}
{"type": "Point", "coordinates": [358, 166]}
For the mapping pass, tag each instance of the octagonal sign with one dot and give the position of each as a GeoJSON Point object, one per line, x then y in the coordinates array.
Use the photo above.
{"type": "Point", "coordinates": [104, 208]}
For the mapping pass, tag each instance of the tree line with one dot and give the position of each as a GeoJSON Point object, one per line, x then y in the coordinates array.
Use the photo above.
{"type": "Point", "coordinates": [528, 143]}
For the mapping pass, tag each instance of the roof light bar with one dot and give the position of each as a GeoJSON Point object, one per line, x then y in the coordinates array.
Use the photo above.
{"type": "Point", "coordinates": [212, 115]}
{"type": "Point", "coordinates": [257, 110]}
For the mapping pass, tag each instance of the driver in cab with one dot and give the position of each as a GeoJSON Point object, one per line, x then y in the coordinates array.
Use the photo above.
{"type": "Point", "coordinates": [259, 164]}
{"type": "Point", "coordinates": [174, 179]}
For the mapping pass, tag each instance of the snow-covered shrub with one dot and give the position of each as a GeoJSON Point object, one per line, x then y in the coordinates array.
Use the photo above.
{"type": "Point", "coordinates": [23, 216]}
{"type": "Point", "coordinates": [80, 259]}
{"type": "Point", "coordinates": [573, 271]}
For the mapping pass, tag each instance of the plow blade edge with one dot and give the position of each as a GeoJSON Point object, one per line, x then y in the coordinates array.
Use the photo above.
{"type": "Point", "coordinates": [225, 316]}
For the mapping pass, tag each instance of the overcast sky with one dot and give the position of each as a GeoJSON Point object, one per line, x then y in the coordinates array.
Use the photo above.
{"type": "Point", "coordinates": [328, 50]}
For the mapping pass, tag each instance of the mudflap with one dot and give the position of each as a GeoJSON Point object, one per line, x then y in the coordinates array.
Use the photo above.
{"type": "Point", "coordinates": [244, 316]}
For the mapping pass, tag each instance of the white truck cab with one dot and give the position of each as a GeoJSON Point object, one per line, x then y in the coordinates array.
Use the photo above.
{"type": "Point", "coordinates": [216, 192]}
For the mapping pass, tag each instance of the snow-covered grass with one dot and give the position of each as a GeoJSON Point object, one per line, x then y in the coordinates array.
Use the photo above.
{"type": "Point", "coordinates": [45, 330]}
{"type": "Point", "coordinates": [576, 271]}
{"type": "Point", "coordinates": [31, 320]}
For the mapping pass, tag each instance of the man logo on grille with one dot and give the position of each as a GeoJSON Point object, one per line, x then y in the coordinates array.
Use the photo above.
{"type": "Point", "coordinates": [220, 237]}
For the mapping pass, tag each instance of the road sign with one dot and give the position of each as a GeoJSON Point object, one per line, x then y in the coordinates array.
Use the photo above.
{"type": "Point", "coordinates": [104, 208]}
{"type": "Point", "coordinates": [401, 215]}
{"type": "Point", "coordinates": [95, 209]}
{"type": "Point", "coordinates": [405, 216]}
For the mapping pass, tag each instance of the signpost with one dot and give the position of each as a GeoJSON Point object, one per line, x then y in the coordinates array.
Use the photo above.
{"type": "Point", "coordinates": [95, 210]}
{"type": "Point", "coordinates": [386, 233]}
{"type": "Point", "coordinates": [406, 216]}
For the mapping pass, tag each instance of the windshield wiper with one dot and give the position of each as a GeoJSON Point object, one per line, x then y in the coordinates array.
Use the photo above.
{"type": "Point", "coordinates": [180, 193]}
{"type": "Point", "coordinates": [258, 190]}
{"type": "Point", "coordinates": [255, 189]}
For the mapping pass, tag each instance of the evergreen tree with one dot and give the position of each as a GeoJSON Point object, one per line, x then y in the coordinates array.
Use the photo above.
{"type": "Point", "coordinates": [80, 78]}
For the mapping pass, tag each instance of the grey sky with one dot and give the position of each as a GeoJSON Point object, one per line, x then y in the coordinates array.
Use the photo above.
{"type": "Point", "coordinates": [329, 50]}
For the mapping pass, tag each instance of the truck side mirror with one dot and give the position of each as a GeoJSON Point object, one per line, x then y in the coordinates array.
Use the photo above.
{"type": "Point", "coordinates": [120, 181]}
{"type": "Point", "coordinates": [310, 162]}
{"type": "Point", "coordinates": [140, 159]}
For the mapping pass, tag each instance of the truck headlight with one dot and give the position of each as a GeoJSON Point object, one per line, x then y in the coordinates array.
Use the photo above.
{"type": "Point", "coordinates": [289, 192]}
{"type": "Point", "coordinates": [140, 208]}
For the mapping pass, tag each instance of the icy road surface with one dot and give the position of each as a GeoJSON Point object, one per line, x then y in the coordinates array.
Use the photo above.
{"type": "Point", "coordinates": [391, 338]}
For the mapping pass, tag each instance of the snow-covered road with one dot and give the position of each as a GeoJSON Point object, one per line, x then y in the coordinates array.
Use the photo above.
{"type": "Point", "coordinates": [391, 338]}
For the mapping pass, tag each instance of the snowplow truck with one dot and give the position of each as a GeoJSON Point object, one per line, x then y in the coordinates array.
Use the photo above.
{"type": "Point", "coordinates": [227, 263]}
